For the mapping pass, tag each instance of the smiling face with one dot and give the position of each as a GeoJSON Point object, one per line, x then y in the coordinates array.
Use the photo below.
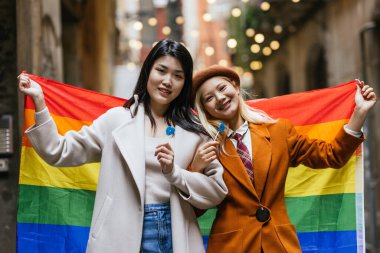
{"type": "Point", "coordinates": [166, 80]}
{"type": "Point", "coordinates": [220, 99]}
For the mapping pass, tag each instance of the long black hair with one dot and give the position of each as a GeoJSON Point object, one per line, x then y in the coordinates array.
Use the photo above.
{"type": "Point", "coordinates": [179, 111]}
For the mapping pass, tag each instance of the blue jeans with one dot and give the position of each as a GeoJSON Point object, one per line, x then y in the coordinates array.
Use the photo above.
{"type": "Point", "coordinates": [157, 229]}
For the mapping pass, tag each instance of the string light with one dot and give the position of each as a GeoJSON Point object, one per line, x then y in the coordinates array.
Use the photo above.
{"type": "Point", "coordinates": [277, 29]}
{"type": "Point", "coordinates": [275, 44]}
{"type": "Point", "coordinates": [166, 30]}
{"type": "Point", "coordinates": [152, 21]}
{"type": "Point", "coordinates": [179, 20]}
{"type": "Point", "coordinates": [223, 62]}
{"type": "Point", "coordinates": [236, 12]}
{"type": "Point", "coordinates": [131, 65]}
{"type": "Point", "coordinates": [265, 6]}
{"type": "Point", "coordinates": [239, 70]}
{"type": "Point", "coordinates": [138, 26]}
{"type": "Point", "coordinates": [250, 32]}
{"type": "Point", "coordinates": [255, 48]}
{"type": "Point", "coordinates": [194, 33]}
{"type": "Point", "coordinates": [207, 17]}
{"type": "Point", "coordinates": [209, 51]}
{"type": "Point", "coordinates": [231, 43]}
{"type": "Point", "coordinates": [267, 51]}
{"type": "Point", "coordinates": [259, 38]}
{"type": "Point", "coordinates": [135, 44]}
{"type": "Point", "coordinates": [256, 65]}
{"type": "Point", "coordinates": [223, 34]}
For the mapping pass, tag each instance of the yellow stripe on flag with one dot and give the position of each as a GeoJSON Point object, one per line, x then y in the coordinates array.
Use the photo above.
{"type": "Point", "coordinates": [303, 181]}
{"type": "Point", "coordinates": [34, 171]}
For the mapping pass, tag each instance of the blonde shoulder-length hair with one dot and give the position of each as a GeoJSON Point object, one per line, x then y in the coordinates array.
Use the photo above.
{"type": "Point", "coordinates": [248, 113]}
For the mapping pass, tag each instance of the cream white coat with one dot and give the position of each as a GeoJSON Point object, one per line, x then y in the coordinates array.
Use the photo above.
{"type": "Point", "coordinates": [116, 139]}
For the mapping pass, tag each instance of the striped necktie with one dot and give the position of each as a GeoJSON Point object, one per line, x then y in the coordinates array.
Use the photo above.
{"type": "Point", "coordinates": [244, 155]}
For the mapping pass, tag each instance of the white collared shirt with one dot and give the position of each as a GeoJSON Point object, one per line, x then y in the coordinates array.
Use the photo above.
{"type": "Point", "coordinates": [243, 130]}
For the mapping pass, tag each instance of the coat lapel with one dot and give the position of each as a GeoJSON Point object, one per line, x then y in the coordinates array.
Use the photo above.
{"type": "Point", "coordinates": [232, 163]}
{"type": "Point", "coordinates": [261, 153]}
{"type": "Point", "coordinates": [130, 139]}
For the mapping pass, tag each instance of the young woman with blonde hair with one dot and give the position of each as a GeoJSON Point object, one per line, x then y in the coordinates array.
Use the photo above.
{"type": "Point", "coordinates": [256, 153]}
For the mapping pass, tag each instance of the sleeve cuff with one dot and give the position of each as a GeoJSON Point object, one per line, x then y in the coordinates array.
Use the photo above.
{"type": "Point", "coordinates": [352, 132]}
{"type": "Point", "coordinates": [42, 116]}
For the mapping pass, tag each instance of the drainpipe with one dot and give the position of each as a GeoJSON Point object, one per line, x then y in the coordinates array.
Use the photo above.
{"type": "Point", "coordinates": [370, 177]}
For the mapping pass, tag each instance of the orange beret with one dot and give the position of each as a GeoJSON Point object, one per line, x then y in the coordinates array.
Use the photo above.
{"type": "Point", "coordinates": [215, 70]}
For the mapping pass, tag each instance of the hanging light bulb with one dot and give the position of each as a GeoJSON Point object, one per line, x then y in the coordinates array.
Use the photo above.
{"type": "Point", "coordinates": [267, 51]}
{"type": "Point", "coordinates": [277, 29]}
{"type": "Point", "coordinates": [259, 38]}
{"type": "Point", "coordinates": [152, 21]}
{"type": "Point", "coordinates": [209, 51]}
{"type": "Point", "coordinates": [250, 32]}
{"type": "Point", "coordinates": [236, 12]}
{"type": "Point", "coordinates": [194, 33]}
{"type": "Point", "coordinates": [223, 62]}
{"type": "Point", "coordinates": [265, 6]}
{"type": "Point", "coordinates": [231, 43]}
{"type": "Point", "coordinates": [256, 65]}
{"type": "Point", "coordinates": [179, 20]}
{"type": "Point", "coordinates": [166, 30]}
{"type": "Point", "coordinates": [275, 44]}
{"type": "Point", "coordinates": [138, 26]}
{"type": "Point", "coordinates": [255, 48]}
{"type": "Point", "coordinates": [223, 33]}
{"type": "Point", "coordinates": [207, 17]}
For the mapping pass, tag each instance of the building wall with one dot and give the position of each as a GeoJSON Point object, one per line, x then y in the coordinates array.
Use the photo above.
{"type": "Point", "coordinates": [8, 101]}
{"type": "Point", "coordinates": [98, 45]}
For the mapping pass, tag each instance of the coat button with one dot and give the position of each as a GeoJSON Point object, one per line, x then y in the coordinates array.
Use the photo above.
{"type": "Point", "coordinates": [262, 214]}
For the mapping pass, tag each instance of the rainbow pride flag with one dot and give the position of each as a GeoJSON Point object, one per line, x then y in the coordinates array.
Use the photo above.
{"type": "Point", "coordinates": [326, 206]}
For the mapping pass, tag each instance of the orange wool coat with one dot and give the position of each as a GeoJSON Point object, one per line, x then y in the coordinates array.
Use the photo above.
{"type": "Point", "coordinates": [275, 147]}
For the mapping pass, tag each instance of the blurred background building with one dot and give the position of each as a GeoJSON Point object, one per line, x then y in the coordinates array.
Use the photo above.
{"type": "Point", "coordinates": [277, 47]}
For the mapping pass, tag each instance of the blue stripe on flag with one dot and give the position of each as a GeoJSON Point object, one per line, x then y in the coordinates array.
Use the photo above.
{"type": "Point", "coordinates": [43, 238]}
{"type": "Point", "coordinates": [323, 242]}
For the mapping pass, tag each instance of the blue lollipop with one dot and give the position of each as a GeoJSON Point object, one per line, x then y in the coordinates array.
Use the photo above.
{"type": "Point", "coordinates": [220, 129]}
{"type": "Point", "coordinates": [170, 130]}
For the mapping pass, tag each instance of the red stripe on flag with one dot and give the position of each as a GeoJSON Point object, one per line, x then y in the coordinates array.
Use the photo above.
{"type": "Point", "coordinates": [82, 104]}
{"type": "Point", "coordinates": [311, 107]}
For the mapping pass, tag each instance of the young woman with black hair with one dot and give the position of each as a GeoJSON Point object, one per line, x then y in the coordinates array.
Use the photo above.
{"type": "Point", "coordinates": [145, 194]}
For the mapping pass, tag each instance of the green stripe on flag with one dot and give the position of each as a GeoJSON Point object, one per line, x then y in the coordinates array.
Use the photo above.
{"type": "Point", "coordinates": [50, 205]}
{"type": "Point", "coordinates": [335, 212]}
{"type": "Point", "coordinates": [206, 220]}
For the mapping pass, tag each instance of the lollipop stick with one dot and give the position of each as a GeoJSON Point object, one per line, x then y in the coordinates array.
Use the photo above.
{"type": "Point", "coordinates": [216, 136]}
